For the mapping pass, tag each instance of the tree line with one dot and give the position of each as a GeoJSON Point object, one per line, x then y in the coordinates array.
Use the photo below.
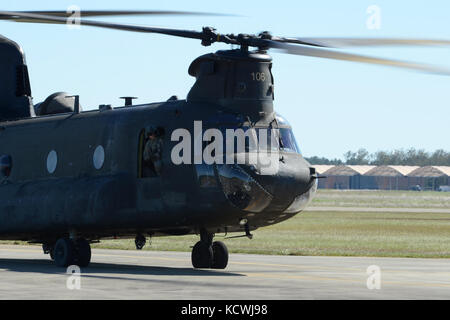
{"type": "Point", "coordinates": [410, 157]}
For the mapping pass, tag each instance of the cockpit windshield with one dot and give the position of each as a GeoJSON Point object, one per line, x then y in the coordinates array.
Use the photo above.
{"type": "Point", "coordinates": [246, 139]}
{"type": "Point", "coordinates": [287, 141]}
{"type": "Point", "coordinates": [278, 136]}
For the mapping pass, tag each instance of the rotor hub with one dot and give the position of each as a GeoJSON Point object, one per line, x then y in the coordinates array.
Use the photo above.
{"type": "Point", "coordinates": [234, 79]}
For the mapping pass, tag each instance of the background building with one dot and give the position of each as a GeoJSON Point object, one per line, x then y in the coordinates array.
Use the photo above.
{"type": "Point", "coordinates": [343, 177]}
{"type": "Point", "coordinates": [387, 178]}
{"type": "Point", "coordinates": [430, 177]}
{"type": "Point", "coordinates": [383, 177]}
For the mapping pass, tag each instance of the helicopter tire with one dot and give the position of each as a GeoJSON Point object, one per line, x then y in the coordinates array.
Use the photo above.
{"type": "Point", "coordinates": [202, 255]}
{"type": "Point", "coordinates": [220, 255]}
{"type": "Point", "coordinates": [83, 253]}
{"type": "Point", "coordinates": [64, 252]}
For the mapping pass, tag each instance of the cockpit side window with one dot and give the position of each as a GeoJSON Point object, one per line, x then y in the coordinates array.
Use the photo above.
{"type": "Point", "coordinates": [206, 175]}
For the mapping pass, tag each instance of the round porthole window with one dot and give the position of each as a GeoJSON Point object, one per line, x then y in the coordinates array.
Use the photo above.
{"type": "Point", "coordinates": [52, 161]}
{"type": "Point", "coordinates": [99, 157]}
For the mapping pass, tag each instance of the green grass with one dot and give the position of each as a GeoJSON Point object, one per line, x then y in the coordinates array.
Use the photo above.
{"type": "Point", "coordinates": [381, 199]}
{"type": "Point", "coordinates": [344, 233]}
{"type": "Point", "coordinates": [333, 234]}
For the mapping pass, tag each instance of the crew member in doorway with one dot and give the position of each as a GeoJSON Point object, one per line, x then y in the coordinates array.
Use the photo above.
{"type": "Point", "coordinates": [153, 152]}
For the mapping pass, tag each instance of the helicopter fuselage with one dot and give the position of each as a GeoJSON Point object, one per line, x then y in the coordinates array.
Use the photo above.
{"type": "Point", "coordinates": [83, 174]}
{"type": "Point", "coordinates": [59, 182]}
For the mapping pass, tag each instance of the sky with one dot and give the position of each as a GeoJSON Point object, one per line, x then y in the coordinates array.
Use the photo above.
{"type": "Point", "coordinates": [333, 106]}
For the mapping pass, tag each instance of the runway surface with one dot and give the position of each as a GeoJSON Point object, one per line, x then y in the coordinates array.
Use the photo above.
{"type": "Point", "coordinates": [26, 273]}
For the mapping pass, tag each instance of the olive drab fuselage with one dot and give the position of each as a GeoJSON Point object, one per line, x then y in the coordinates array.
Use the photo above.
{"type": "Point", "coordinates": [83, 172]}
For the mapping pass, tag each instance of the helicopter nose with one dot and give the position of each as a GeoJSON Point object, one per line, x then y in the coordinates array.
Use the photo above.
{"type": "Point", "coordinates": [291, 183]}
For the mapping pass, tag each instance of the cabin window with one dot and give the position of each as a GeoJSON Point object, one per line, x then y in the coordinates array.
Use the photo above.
{"type": "Point", "coordinates": [5, 166]}
{"type": "Point", "coordinates": [99, 157]}
{"type": "Point", "coordinates": [52, 161]}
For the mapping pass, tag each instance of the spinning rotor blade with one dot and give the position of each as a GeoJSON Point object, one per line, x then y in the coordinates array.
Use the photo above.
{"type": "Point", "coordinates": [208, 35]}
{"type": "Point", "coordinates": [38, 18]}
{"type": "Point", "coordinates": [302, 46]}
{"type": "Point", "coordinates": [335, 55]}
{"type": "Point", "coordinates": [19, 15]}
{"type": "Point", "coordinates": [99, 13]}
{"type": "Point", "coordinates": [362, 42]}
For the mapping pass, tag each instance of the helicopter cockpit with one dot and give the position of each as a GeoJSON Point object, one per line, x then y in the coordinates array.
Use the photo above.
{"type": "Point", "coordinates": [277, 137]}
{"type": "Point", "coordinates": [265, 164]}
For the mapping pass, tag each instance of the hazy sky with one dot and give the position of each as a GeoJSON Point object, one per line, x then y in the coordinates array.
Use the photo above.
{"type": "Point", "coordinates": [333, 106]}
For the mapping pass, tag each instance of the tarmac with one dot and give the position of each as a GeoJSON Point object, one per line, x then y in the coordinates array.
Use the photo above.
{"type": "Point", "coordinates": [26, 273]}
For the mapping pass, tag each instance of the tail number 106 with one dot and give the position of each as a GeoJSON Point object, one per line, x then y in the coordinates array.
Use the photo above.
{"type": "Point", "coordinates": [258, 76]}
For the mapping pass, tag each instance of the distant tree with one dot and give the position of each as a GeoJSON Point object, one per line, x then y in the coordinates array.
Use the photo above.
{"type": "Point", "coordinates": [359, 157]}
{"type": "Point", "coordinates": [440, 158]}
{"type": "Point", "coordinates": [416, 157]}
{"type": "Point", "coordinates": [322, 160]}
{"type": "Point", "coordinates": [410, 157]}
{"type": "Point", "coordinates": [381, 158]}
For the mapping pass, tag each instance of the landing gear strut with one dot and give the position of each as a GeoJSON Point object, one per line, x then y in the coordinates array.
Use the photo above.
{"type": "Point", "coordinates": [67, 252]}
{"type": "Point", "coordinates": [209, 254]}
{"type": "Point", "coordinates": [48, 248]}
{"type": "Point", "coordinates": [140, 241]}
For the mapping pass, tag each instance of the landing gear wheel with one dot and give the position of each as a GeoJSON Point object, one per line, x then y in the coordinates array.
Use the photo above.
{"type": "Point", "coordinates": [64, 252]}
{"type": "Point", "coordinates": [202, 255]}
{"type": "Point", "coordinates": [220, 255]}
{"type": "Point", "coordinates": [83, 253]}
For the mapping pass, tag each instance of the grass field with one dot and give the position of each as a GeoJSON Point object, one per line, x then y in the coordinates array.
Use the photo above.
{"type": "Point", "coordinates": [381, 199]}
{"type": "Point", "coordinates": [343, 233]}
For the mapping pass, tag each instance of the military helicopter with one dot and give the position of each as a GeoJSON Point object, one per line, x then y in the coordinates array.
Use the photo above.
{"type": "Point", "coordinates": [70, 178]}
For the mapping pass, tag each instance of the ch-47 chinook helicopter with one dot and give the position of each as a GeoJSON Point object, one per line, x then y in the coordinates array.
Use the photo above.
{"type": "Point", "coordinates": [70, 178]}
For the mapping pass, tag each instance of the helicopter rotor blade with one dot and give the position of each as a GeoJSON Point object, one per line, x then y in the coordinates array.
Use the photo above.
{"type": "Point", "coordinates": [302, 50]}
{"type": "Point", "coordinates": [97, 13]}
{"type": "Point", "coordinates": [207, 35]}
{"type": "Point", "coordinates": [38, 18]}
{"type": "Point", "coordinates": [263, 41]}
{"type": "Point", "coordinates": [362, 42]}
